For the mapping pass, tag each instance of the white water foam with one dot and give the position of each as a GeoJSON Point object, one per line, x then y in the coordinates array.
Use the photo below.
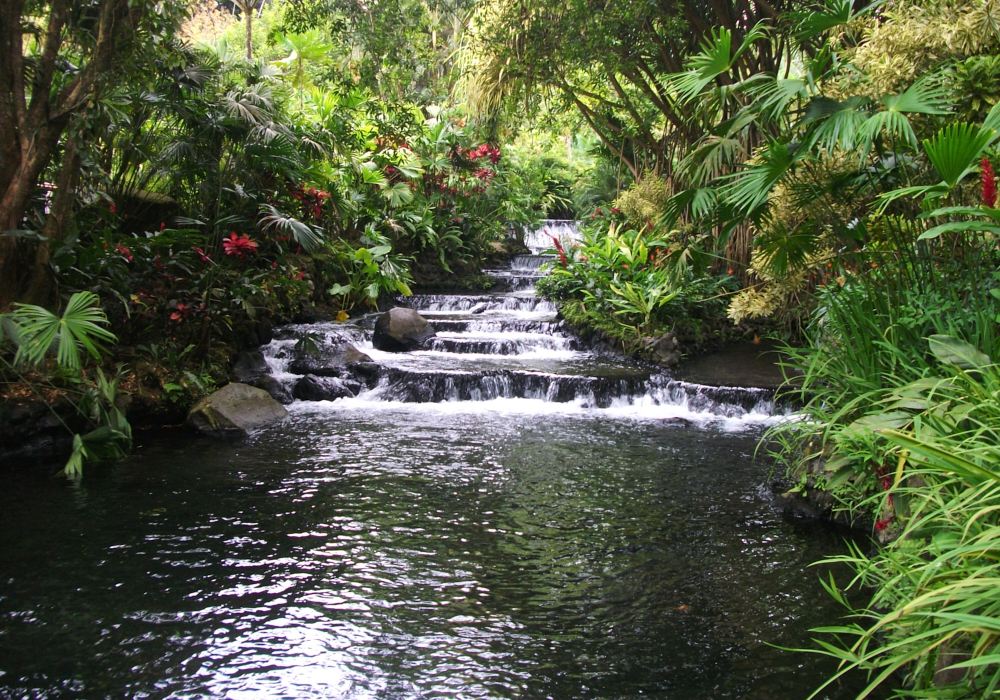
{"type": "Point", "coordinates": [540, 240]}
{"type": "Point", "coordinates": [639, 411]}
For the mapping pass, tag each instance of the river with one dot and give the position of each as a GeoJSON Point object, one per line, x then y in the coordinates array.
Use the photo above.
{"type": "Point", "coordinates": [504, 515]}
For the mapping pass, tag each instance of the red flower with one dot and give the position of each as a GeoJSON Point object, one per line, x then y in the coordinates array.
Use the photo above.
{"type": "Point", "coordinates": [112, 208]}
{"type": "Point", "coordinates": [163, 225]}
{"type": "Point", "coordinates": [121, 248]}
{"type": "Point", "coordinates": [201, 254]}
{"type": "Point", "coordinates": [616, 210]}
{"type": "Point", "coordinates": [182, 311]}
{"type": "Point", "coordinates": [881, 525]}
{"type": "Point", "coordinates": [238, 246]}
{"type": "Point", "coordinates": [559, 249]}
{"type": "Point", "coordinates": [989, 184]}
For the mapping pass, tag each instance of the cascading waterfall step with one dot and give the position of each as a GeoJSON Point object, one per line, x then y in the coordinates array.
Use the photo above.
{"type": "Point", "coordinates": [500, 347]}
{"type": "Point", "coordinates": [407, 385]}
{"type": "Point", "coordinates": [476, 303]}
{"type": "Point", "coordinates": [521, 344]}
{"type": "Point", "coordinates": [513, 325]}
{"type": "Point", "coordinates": [530, 262]}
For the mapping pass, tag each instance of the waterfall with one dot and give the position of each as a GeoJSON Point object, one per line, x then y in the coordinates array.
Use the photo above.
{"type": "Point", "coordinates": [540, 239]}
{"type": "Point", "coordinates": [506, 351]}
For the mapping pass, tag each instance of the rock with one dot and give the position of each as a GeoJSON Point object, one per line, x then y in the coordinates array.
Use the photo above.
{"type": "Point", "coordinates": [401, 330]}
{"type": "Point", "coordinates": [311, 388]}
{"type": "Point", "coordinates": [265, 331]}
{"type": "Point", "coordinates": [328, 363]}
{"type": "Point", "coordinates": [478, 308]}
{"type": "Point", "coordinates": [663, 350]}
{"type": "Point", "coordinates": [367, 370]}
{"type": "Point", "coordinates": [276, 389]}
{"type": "Point", "coordinates": [249, 366]}
{"type": "Point", "coordinates": [235, 410]}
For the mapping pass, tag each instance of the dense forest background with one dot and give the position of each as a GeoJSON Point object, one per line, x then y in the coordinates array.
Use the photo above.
{"type": "Point", "coordinates": [177, 177]}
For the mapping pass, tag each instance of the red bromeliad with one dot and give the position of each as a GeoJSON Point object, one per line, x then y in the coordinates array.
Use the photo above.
{"type": "Point", "coordinates": [238, 246]}
{"type": "Point", "coordinates": [989, 184]}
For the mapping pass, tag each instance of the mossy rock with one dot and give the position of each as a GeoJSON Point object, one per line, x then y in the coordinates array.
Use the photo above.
{"type": "Point", "coordinates": [234, 411]}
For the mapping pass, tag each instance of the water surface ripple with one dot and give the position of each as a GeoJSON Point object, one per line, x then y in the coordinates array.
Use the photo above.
{"type": "Point", "coordinates": [406, 553]}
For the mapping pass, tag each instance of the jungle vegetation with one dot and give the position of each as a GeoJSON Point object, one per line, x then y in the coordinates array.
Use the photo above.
{"type": "Point", "coordinates": [173, 174]}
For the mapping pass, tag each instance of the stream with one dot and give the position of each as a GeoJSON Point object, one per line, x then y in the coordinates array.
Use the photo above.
{"type": "Point", "coordinates": [505, 514]}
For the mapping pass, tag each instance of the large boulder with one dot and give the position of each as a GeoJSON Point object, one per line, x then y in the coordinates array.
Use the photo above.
{"type": "Point", "coordinates": [328, 362]}
{"type": "Point", "coordinates": [400, 330]}
{"type": "Point", "coordinates": [311, 388]}
{"type": "Point", "coordinates": [235, 410]}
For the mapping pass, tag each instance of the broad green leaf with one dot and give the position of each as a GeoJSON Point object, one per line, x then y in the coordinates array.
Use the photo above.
{"type": "Point", "coordinates": [81, 324]}
{"type": "Point", "coordinates": [958, 226]}
{"type": "Point", "coordinates": [955, 150]}
{"type": "Point", "coordinates": [957, 352]}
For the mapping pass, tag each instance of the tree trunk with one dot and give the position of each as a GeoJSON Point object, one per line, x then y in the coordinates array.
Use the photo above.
{"type": "Point", "coordinates": [34, 113]}
{"type": "Point", "coordinates": [41, 289]}
{"type": "Point", "coordinates": [249, 20]}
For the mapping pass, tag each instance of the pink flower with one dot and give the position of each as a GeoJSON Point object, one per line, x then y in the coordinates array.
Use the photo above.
{"type": "Point", "coordinates": [238, 246]}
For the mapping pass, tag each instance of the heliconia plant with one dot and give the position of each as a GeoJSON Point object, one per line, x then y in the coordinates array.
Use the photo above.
{"type": "Point", "coordinates": [989, 182]}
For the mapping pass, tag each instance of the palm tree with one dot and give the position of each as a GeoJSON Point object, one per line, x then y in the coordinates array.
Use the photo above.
{"type": "Point", "coordinates": [306, 47]}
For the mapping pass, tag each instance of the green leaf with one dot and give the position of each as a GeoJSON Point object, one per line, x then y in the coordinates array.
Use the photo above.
{"type": "Point", "coordinates": [339, 290]}
{"type": "Point", "coordinates": [957, 352]}
{"type": "Point", "coordinates": [812, 25]}
{"type": "Point", "coordinates": [954, 151]}
{"type": "Point", "coordinates": [941, 458]}
{"type": "Point", "coordinates": [81, 324]}
{"type": "Point", "coordinates": [958, 226]}
{"type": "Point", "coordinates": [838, 463]}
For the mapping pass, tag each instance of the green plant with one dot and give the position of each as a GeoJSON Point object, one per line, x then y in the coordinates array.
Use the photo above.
{"type": "Point", "coordinates": [36, 332]}
{"type": "Point", "coordinates": [368, 273]}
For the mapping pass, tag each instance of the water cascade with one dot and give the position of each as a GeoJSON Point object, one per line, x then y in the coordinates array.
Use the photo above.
{"type": "Point", "coordinates": [511, 347]}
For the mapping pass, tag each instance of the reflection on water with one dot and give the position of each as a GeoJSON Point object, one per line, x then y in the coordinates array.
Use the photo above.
{"type": "Point", "coordinates": [404, 553]}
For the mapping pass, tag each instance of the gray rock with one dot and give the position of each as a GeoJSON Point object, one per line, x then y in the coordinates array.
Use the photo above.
{"type": "Point", "coordinates": [401, 330]}
{"type": "Point", "coordinates": [328, 362]}
{"type": "Point", "coordinates": [663, 350]}
{"type": "Point", "coordinates": [235, 410]}
{"type": "Point", "coordinates": [249, 366]}
{"type": "Point", "coordinates": [276, 389]}
{"type": "Point", "coordinates": [311, 388]}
